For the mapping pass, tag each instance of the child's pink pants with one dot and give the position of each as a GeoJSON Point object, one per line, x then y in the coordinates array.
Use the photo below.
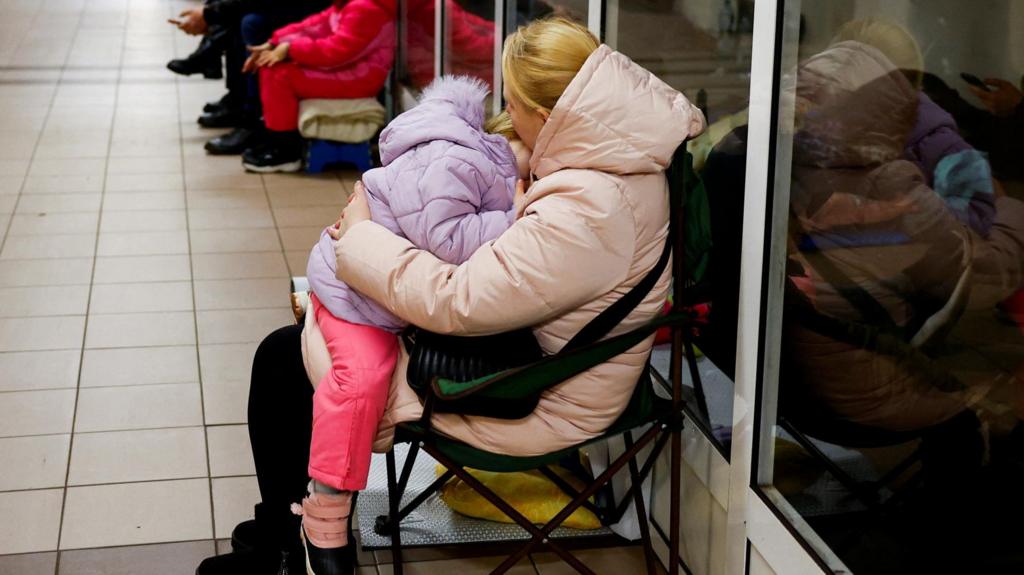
{"type": "Point", "coordinates": [350, 400]}
{"type": "Point", "coordinates": [284, 85]}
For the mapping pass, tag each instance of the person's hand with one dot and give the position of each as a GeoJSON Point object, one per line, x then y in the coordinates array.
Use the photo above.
{"type": "Point", "coordinates": [357, 211]}
{"type": "Point", "coordinates": [520, 198]}
{"type": "Point", "coordinates": [270, 58]}
{"type": "Point", "coordinates": [1003, 100]}
{"type": "Point", "coordinates": [192, 21]}
{"type": "Point", "coordinates": [254, 52]}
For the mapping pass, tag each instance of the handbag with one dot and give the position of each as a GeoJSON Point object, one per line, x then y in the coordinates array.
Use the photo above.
{"type": "Point", "coordinates": [462, 358]}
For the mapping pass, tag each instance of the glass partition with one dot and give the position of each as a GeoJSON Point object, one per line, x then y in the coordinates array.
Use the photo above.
{"type": "Point", "coordinates": [898, 262]}
{"type": "Point", "coordinates": [702, 48]}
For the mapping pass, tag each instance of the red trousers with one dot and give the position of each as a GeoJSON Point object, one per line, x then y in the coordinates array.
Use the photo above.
{"type": "Point", "coordinates": [283, 85]}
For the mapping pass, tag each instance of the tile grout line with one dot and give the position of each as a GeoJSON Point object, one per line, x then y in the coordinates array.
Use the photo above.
{"type": "Point", "coordinates": [92, 275]}
{"type": "Point", "coordinates": [195, 312]}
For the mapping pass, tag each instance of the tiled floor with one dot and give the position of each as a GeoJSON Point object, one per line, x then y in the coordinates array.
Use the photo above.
{"type": "Point", "coordinates": [137, 275]}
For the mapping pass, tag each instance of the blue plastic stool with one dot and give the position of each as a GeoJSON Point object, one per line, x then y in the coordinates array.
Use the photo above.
{"type": "Point", "coordinates": [323, 153]}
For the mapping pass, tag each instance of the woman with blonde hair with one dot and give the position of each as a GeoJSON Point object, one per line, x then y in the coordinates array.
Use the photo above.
{"type": "Point", "coordinates": [592, 223]}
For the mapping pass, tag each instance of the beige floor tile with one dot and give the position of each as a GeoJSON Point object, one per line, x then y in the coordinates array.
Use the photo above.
{"type": "Point", "coordinates": [144, 455]}
{"type": "Point", "coordinates": [44, 224]}
{"type": "Point", "coordinates": [233, 501]}
{"type": "Point", "coordinates": [31, 520]}
{"type": "Point", "coordinates": [305, 198]}
{"type": "Point", "coordinates": [300, 181]}
{"type": "Point", "coordinates": [162, 559]}
{"type": "Point", "coordinates": [145, 183]}
{"type": "Point", "coordinates": [63, 184]}
{"type": "Point", "coordinates": [143, 221]}
{"type": "Point", "coordinates": [41, 333]}
{"type": "Point", "coordinates": [230, 451]}
{"type": "Point", "coordinates": [315, 216]}
{"type": "Point", "coordinates": [605, 561]}
{"type": "Point", "coordinates": [222, 241]}
{"type": "Point", "coordinates": [140, 330]}
{"type": "Point", "coordinates": [29, 564]}
{"type": "Point", "coordinates": [470, 566]}
{"type": "Point", "coordinates": [225, 401]}
{"type": "Point", "coordinates": [53, 246]}
{"type": "Point", "coordinates": [139, 366]}
{"type": "Point", "coordinates": [73, 149]}
{"type": "Point", "coordinates": [238, 218]}
{"type": "Point", "coordinates": [43, 301]}
{"type": "Point", "coordinates": [58, 203]}
{"type": "Point", "coordinates": [159, 165]}
{"type": "Point", "coordinates": [7, 204]}
{"type": "Point", "coordinates": [239, 180]}
{"type": "Point", "coordinates": [144, 201]}
{"type": "Point", "coordinates": [33, 370]}
{"type": "Point", "coordinates": [140, 297]}
{"type": "Point", "coordinates": [239, 266]}
{"type": "Point", "coordinates": [124, 269]}
{"type": "Point", "coordinates": [298, 239]}
{"type": "Point", "coordinates": [297, 261]}
{"type": "Point", "coordinates": [226, 199]}
{"type": "Point", "coordinates": [239, 294]}
{"type": "Point", "coordinates": [68, 271]}
{"type": "Point", "coordinates": [141, 149]}
{"type": "Point", "coordinates": [72, 167]}
{"type": "Point", "coordinates": [14, 167]}
{"type": "Point", "coordinates": [33, 462]}
{"type": "Point", "coordinates": [143, 243]}
{"type": "Point", "coordinates": [138, 407]}
{"type": "Point", "coordinates": [136, 513]}
{"type": "Point", "coordinates": [36, 412]}
{"type": "Point", "coordinates": [240, 326]}
{"type": "Point", "coordinates": [11, 185]}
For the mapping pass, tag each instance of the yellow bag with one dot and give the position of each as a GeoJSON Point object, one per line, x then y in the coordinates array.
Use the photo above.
{"type": "Point", "coordinates": [529, 492]}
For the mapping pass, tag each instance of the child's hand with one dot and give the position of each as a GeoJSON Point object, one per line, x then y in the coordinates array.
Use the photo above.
{"type": "Point", "coordinates": [254, 53]}
{"type": "Point", "coordinates": [357, 211]}
{"type": "Point", "coordinates": [520, 198]}
{"type": "Point", "coordinates": [269, 58]}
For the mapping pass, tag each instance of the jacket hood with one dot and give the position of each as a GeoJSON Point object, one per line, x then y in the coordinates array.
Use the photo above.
{"type": "Point", "coordinates": [451, 108]}
{"type": "Point", "coordinates": [854, 108]}
{"type": "Point", "coordinates": [615, 117]}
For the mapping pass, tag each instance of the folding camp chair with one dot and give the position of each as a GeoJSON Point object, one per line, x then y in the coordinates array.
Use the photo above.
{"type": "Point", "coordinates": [663, 416]}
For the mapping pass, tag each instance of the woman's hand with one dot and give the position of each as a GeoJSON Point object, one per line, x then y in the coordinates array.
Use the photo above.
{"type": "Point", "coordinates": [270, 58]}
{"type": "Point", "coordinates": [1001, 101]}
{"type": "Point", "coordinates": [357, 211]}
{"type": "Point", "coordinates": [254, 54]}
{"type": "Point", "coordinates": [520, 198]}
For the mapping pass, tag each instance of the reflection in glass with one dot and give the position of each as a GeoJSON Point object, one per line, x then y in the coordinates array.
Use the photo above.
{"type": "Point", "coordinates": [702, 48]}
{"type": "Point", "coordinates": [899, 400]}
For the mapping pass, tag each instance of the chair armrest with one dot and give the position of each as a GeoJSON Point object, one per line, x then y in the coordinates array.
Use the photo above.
{"type": "Point", "coordinates": [530, 380]}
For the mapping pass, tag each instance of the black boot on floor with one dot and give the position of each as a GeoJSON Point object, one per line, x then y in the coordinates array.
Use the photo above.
{"type": "Point", "coordinates": [281, 153]}
{"type": "Point", "coordinates": [206, 58]}
{"type": "Point", "coordinates": [223, 118]}
{"type": "Point", "coordinates": [227, 101]}
{"type": "Point", "coordinates": [235, 142]}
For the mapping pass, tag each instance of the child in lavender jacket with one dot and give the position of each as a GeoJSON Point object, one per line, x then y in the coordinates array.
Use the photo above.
{"type": "Point", "coordinates": [447, 185]}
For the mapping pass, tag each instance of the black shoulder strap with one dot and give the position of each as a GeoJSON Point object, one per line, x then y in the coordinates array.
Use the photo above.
{"type": "Point", "coordinates": [615, 313]}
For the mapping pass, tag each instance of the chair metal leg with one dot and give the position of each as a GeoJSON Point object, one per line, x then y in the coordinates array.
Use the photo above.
{"type": "Point", "coordinates": [394, 499]}
{"type": "Point", "coordinates": [641, 508]}
{"type": "Point", "coordinates": [674, 496]}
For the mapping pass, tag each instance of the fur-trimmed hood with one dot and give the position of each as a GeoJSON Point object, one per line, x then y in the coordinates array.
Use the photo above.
{"type": "Point", "coordinates": [451, 108]}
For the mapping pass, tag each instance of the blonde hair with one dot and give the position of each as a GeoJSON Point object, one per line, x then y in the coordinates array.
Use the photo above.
{"type": "Point", "coordinates": [501, 124]}
{"type": "Point", "coordinates": [892, 40]}
{"type": "Point", "coordinates": [541, 59]}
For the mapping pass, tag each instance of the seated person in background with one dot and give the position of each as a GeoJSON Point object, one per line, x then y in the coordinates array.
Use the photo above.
{"type": "Point", "coordinates": [346, 51]}
{"type": "Point", "coordinates": [228, 26]}
{"type": "Point", "coordinates": [448, 187]}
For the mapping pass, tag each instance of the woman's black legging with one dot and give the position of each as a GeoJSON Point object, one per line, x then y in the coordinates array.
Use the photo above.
{"type": "Point", "coordinates": [280, 424]}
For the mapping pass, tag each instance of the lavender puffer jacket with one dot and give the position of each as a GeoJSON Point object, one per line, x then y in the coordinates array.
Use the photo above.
{"type": "Point", "coordinates": [445, 184]}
